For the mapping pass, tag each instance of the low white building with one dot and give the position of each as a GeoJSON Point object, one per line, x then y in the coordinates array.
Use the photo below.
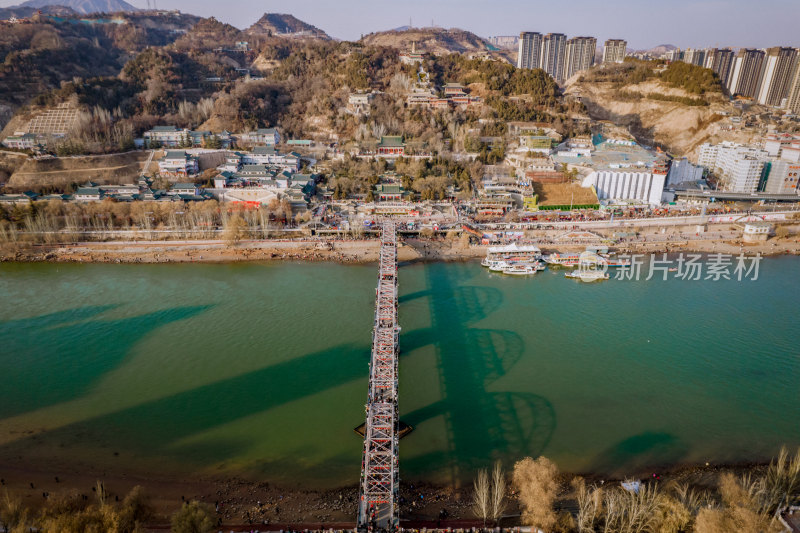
{"type": "Point", "coordinates": [612, 185]}
{"type": "Point", "coordinates": [262, 136]}
{"type": "Point", "coordinates": [740, 166]}
{"type": "Point", "coordinates": [178, 163]}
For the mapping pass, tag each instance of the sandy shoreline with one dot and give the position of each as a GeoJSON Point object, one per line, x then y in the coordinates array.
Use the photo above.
{"type": "Point", "coordinates": [244, 504]}
{"type": "Point", "coordinates": [366, 250]}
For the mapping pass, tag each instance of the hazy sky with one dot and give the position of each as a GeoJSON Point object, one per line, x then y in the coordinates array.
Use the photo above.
{"type": "Point", "coordinates": [644, 23]}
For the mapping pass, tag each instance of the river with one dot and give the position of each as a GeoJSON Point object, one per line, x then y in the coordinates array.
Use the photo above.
{"type": "Point", "coordinates": [260, 369]}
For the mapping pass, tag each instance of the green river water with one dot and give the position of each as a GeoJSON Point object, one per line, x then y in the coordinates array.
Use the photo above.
{"type": "Point", "coordinates": [261, 369]}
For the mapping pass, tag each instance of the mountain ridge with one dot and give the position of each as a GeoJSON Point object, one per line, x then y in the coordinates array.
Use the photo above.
{"type": "Point", "coordinates": [285, 25]}
{"type": "Point", "coordinates": [84, 7]}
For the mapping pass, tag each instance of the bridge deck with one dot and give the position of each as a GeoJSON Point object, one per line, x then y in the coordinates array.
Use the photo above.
{"type": "Point", "coordinates": [377, 509]}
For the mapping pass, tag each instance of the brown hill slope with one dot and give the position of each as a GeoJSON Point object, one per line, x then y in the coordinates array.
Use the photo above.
{"type": "Point", "coordinates": [655, 112]}
{"type": "Point", "coordinates": [434, 40]}
{"type": "Point", "coordinates": [281, 24]}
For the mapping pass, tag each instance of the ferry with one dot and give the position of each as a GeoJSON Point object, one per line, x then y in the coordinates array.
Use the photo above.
{"type": "Point", "coordinates": [567, 260]}
{"type": "Point", "coordinates": [587, 275]}
{"type": "Point", "coordinates": [512, 252]}
{"type": "Point", "coordinates": [520, 270]}
{"type": "Point", "coordinates": [574, 260]}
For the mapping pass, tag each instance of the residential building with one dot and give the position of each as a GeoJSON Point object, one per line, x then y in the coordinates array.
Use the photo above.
{"type": "Point", "coordinates": [774, 143]}
{"type": "Point", "coordinates": [779, 67]}
{"type": "Point", "coordinates": [742, 167]}
{"type": "Point", "coordinates": [793, 98]}
{"type": "Point", "coordinates": [638, 185]}
{"type": "Point", "coordinates": [579, 55]}
{"type": "Point", "coordinates": [720, 60]}
{"type": "Point", "coordinates": [504, 41]}
{"type": "Point", "coordinates": [178, 163]}
{"type": "Point", "coordinates": [553, 52]}
{"type": "Point", "coordinates": [614, 50]}
{"type": "Point", "coordinates": [262, 136]}
{"type": "Point", "coordinates": [746, 72]}
{"type": "Point", "coordinates": [694, 56]}
{"type": "Point", "coordinates": [782, 177]}
{"type": "Point", "coordinates": [530, 50]}
{"type": "Point", "coordinates": [167, 136]}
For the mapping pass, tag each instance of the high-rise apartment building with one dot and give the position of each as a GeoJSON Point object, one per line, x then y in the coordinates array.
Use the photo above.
{"type": "Point", "coordinates": [720, 60]}
{"type": "Point", "coordinates": [614, 51]}
{"type": "Point", "coordinates": [793, 100]}
{"type": "Point", "coordinates": [553, 51]}
{"type": "Point", "coordinates": [746, 73]}
{"type": "Point", "coordinates": [530, 50]}
{"type": "Point", "coordinates": [579, 55]}
{"type": "Point", "coordinates": [694, 56]}
{"type": "Point", "coordinates": [779, 67]}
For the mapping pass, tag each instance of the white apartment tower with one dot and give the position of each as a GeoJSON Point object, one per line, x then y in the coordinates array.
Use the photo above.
{"type": "Point", "coordinates": [614, 51]}
{"type": "Point", "coordinates": [694, 56]}
{"type": "Point", "coordinates": [793, 100]}
{"type": "Point", "coordinates": [779, 66]}
{"type": "Point", "coordinates": [746, 72]}
{"type": "Point", "coordinates": [553, 50]}
{"type": "Point", "coordinates": [720, 61]}
{"type": "Point", "coordinates": [579, 55]}
{"type": "Point", "coordinates": [530, 50]}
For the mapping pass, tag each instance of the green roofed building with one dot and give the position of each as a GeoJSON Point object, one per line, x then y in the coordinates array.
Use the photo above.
{"type": "Point", "coordinates": [389, 193]}
{"type": "Point", "coordinates": [392, 145]}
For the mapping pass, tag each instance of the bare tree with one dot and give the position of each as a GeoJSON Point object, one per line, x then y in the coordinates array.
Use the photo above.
{"type": "Point", "coordinates": [481, 498]}
{"type": "Point", "coordinates": [498, 496]}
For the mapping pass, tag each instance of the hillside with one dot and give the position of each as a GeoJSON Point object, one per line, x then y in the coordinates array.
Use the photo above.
{"type": "Point", "coordinates": [281, 24]}
{"type": "Point", "coordinates": [437, 41]}
{"type": "Point", "coordinates": [84, 6]}
{"type": "Point", "coordinates": [37, 57]}
{"type": "Point", "coordinates": [678, 109]}
{"type": "Point", "coordinates": [25, 12]}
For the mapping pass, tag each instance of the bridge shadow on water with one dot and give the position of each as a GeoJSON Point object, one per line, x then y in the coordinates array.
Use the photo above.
{"type": "Point", "coordinates": [481, 424]}
{"type": "Point", "coordinates": [56, 357]}
{"type": "Point", "coordinates": [155, 428]}
{"type": "Point", "coordinates": [640, 452]}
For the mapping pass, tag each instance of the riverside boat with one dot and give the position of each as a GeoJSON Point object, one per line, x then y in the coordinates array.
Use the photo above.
{"type": "Point", "coordinates": [511, 253]}
{"type": "Point", "coordinates": [587, 275]}
{"type": "Point", "coordinates": [520, 270]}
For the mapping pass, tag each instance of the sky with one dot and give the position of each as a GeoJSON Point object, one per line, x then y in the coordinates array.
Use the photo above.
{"type": "Point", "coordinates": [643, 23]}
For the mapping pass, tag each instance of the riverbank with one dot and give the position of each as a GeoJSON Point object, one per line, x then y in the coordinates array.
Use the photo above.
{"type": "Point", "coordinates": [366, 250]}
{"type": "Point", "coordinates": [242, 505]}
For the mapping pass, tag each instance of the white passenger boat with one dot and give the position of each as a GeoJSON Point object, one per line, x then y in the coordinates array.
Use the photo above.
{"type": "Point", "coordinates": [498, 266]}
{"type": "Point", "coordinates": [520, 270]}
{"type": "Point", "coordinates": [587, 275]}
